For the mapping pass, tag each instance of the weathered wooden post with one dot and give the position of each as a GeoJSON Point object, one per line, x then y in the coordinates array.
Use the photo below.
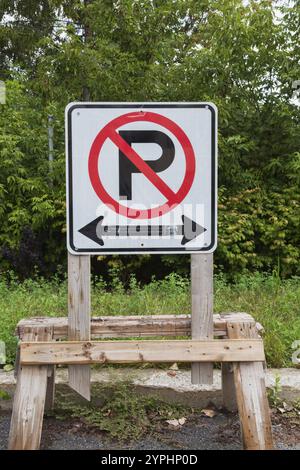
{"type": "Point", "coordinates": [202, 310]}
{"type": "Point", "coordinates": [30, 397]}
{"type": "Point", "coordinates": [79, 302]}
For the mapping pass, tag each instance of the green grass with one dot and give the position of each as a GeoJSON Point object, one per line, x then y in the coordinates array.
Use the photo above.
{"type": "Point", "coordinates": [272, 302]}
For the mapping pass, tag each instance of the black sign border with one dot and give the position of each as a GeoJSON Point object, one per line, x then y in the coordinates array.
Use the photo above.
{"type": "Point", "coordinates": [179, 250]}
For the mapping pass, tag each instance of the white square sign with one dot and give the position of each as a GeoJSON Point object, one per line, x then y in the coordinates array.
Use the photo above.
{"type": "Point", "coordinates": [141, 177]}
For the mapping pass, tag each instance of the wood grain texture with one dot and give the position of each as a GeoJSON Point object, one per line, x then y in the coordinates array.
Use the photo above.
{"type": "Point", "coordinates": [228, 387]}
{"type": "Point", "coordinates": [251, 395]}
{"type": "Point", "coordinates": [50, 393]}
{"type": "Point", "coordinates": [134, 325]}
{"type": "Point", "coordinates": [122, 352]}
{"type": "Point", "coordinates": [29, 400]}
{"type": "Point", "coordinates": [79, 318]}
{"type": "Point", "coordinates": [202, 310]}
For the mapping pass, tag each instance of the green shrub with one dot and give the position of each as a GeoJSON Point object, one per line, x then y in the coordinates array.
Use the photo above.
{"type": "Point", "coordinates": [273, 302]}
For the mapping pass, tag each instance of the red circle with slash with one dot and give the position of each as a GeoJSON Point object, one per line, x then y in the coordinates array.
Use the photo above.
{"type": "Point", "coordinates": [110, 132]}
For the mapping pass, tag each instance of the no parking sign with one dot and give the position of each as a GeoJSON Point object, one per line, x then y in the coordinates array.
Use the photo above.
{"type": "Point", "coordinates": [141, 177]}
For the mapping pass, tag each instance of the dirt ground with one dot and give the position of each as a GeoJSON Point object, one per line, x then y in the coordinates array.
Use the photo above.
{"type": "Point", "coordinates": [199, 432]}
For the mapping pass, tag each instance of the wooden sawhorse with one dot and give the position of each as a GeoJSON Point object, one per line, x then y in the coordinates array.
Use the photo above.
{"type": "Point", "coordinates": [237, 346]}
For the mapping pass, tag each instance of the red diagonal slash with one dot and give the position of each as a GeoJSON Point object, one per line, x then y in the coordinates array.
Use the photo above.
{"type": "Point", "coordinates": [134, 157]}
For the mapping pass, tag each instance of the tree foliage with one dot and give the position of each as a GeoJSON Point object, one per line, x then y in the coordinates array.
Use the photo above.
{"type": "Point", "coordinates": [243, 56]}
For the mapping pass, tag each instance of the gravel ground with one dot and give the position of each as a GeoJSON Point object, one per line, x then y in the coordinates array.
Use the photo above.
{"type": "Point", "coordinates": [220, 433]}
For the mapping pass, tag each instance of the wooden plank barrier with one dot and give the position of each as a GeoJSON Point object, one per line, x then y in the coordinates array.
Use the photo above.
{"type": "Point", "coordinates": [236, 344]}
{"type": "Point", "coordinates": [142, 326]}
{"type": "Point", "coordinates": [124, 352]}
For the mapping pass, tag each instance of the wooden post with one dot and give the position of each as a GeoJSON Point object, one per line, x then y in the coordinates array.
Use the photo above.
{"type": "Point", "coordinates": [29, 400]}
{"type": "Point", "coordinates": [79, 268]}
{"type": "Point", "coordinates": [251, 395]}
{"type": "Point", "coordinates": [202, 310]}
{"type": "Point", "coordinates": [228, 387]}
{"type": "Point", "coordinates": [50, 394]}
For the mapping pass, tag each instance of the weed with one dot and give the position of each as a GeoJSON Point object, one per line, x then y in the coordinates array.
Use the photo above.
{"type": "Point", "coordinates": [124, 414]}
{"type": "Point", "coordinates": [4, 395]}
{"type": "Point", "coordinates": [274, 392]}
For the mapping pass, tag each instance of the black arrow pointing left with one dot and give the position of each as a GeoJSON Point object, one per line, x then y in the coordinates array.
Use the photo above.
{"type": "Point", "coordinates": [96, 230]}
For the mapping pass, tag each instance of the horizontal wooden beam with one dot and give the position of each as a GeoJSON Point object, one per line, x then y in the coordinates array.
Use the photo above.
{"type": "Point", "coordinates": [122, 352]}
{"type": "Point", "coordinates": [133, 326]}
